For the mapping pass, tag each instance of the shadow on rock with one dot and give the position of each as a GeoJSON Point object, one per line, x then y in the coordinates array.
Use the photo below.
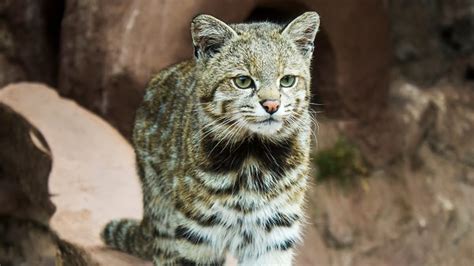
{"type": "Point", "coordinates": [25, 205]}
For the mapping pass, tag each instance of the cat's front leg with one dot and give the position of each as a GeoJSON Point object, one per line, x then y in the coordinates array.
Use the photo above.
{"type": "Point", "coordinates": [277, 258]}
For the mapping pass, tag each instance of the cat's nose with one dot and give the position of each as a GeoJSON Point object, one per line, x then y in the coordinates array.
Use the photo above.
{"type": "Point", "coordinates": [271, 106]}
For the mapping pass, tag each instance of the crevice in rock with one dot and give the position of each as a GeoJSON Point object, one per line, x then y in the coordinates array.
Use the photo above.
{"type": "Point", "coordinates": [54, 13]}
{"type": "Point", "coordinates": [469, 73]}
{"type": "Point", "coordinates": [30, 40]}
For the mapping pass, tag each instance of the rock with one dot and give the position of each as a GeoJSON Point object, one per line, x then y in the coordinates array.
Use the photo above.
{"type": "Point", "coordinates": [431, 38]}
{"type": "Point", "coordinates": [416, 211]}
{"type": "Point", "coordinates": [25, 164]}
{"type": "Point", "coordinates": [415, 115]}
{"type": "Point", "coordinates": [468, 177]}
{"type": "Point", "coordinates": [378, 139]}
{"type": "Point", "coordinates": [399, 130]}
{"type": "Point", "coordinates": [93, 178]}
{"type": "Point", "coordinates": [25, 205]}
{"type": "Point", "coordinates": [337, 234]}
{"type": "Point", "coordinates": [127, 42]}
{"type": "Point", "coordinates": [29, 40]}
{"type": "Point", "coordinates": [425, 114]}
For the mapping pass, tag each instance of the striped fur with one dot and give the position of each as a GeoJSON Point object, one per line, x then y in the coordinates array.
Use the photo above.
{"type": "Point", "coordinates": [215, 178]}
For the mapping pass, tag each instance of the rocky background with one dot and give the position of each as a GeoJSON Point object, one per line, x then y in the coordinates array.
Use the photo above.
{"type": "Point", "coordinates": [393, 176]}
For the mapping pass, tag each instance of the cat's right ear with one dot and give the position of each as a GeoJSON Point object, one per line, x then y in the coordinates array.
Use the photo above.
{"type": "Point", "coordinates": [209, 34]}
{"type": "Point", "coordinates": [302, 31]}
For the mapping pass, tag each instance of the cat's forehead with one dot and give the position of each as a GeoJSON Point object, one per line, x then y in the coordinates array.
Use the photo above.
{"type": "Point", "coordinates": [261, 48]}
{"type": "Point", "coordinates": [257, 28]}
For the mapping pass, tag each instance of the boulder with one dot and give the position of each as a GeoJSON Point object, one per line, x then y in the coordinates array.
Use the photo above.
{"type": "Point", "coordinates": [25, 204]}
{"type": "Point", "coordinates": [25, 164]}
{"type": "Point", "coordinates": [93, 177]}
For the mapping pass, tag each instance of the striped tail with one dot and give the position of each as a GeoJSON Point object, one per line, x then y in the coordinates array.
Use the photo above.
{"type": "Point", "coordinates": [127, 235]}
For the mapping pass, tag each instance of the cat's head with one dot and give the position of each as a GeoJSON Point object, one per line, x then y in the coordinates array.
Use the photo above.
{"type": "Point", "coordinates": [254, 78]}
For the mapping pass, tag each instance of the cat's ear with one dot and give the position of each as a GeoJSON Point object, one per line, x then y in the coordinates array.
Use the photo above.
{"type": "Point", "coordinates": [302, 31]}
{"type": "Point", "coordinates": [209, 35]}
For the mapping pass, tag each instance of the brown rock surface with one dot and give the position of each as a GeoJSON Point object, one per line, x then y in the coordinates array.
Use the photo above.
{"type": "Point", "coordinates": [93, 177]}
{"type": "Point", "coordinates": [433, 39]}
{"type": "Point", "coordinates": [25, 204]}
{"type": "Point", "coordinates": [29, 40]}
{"type": "Point", "coordinates": [25, 164]}
{"type": "Point", "coordinates": [416, 211]}
{"type": "Point", "coordinates": [110, 50]}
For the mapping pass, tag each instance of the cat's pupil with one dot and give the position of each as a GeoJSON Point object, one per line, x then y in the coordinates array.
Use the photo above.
{"type": "Point", "coordinates": [287, 81]}
{"type": "Point", "coordinates": [243, 82]}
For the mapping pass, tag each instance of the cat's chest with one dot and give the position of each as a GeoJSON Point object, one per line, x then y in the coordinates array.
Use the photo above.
{"type": "Point", "coordinates": [258, 229]}
{"type": "Point", "coordinates": [248, 211]}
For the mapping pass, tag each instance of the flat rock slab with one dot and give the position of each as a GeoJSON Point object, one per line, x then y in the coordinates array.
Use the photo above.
{"type": "Point", "coordinates": [93, 179]}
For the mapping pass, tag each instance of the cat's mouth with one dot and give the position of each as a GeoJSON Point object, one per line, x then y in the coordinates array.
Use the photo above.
{"type": "Point", "coordinates": [267, 126]}
{"type": "Point", "coordinates": [269, 121]}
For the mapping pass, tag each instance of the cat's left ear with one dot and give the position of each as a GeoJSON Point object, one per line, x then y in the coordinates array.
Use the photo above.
{"type": "Point", "coordinates": [302, 31]}
{"type": "Point", "coordinates": [209, 35]}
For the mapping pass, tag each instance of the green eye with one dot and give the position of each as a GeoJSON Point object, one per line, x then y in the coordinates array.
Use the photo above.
{"type": "Point", "coordinates": [243, 82]}
{"type": "Point", "coordinates": [287, 81]}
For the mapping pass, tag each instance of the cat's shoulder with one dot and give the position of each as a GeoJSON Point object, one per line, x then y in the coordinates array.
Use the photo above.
{"type": "Point", "coordinates": [181, 70]}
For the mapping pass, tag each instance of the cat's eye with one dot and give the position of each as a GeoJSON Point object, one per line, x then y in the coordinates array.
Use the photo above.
{"type": "Point", "coordinates": [243, 82]}
{"type": "Point", "coordinates": [287, 81]}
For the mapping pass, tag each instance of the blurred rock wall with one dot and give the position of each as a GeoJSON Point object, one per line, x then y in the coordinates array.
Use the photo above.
{"type": "Point", "coordinates": [29, 40]}
{"type": "Point", "coordinates": [433, 39]}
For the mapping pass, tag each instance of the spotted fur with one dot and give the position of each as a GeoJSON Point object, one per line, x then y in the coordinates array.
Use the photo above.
{"type": "Point", "coordinates": [218, 175]}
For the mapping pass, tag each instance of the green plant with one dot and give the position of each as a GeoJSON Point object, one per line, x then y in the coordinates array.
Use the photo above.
{"type": "Point", "coordinates": [342, 162]}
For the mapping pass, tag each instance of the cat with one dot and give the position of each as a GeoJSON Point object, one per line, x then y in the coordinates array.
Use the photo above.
{"type": "Point", "coordinates": [222, 144]}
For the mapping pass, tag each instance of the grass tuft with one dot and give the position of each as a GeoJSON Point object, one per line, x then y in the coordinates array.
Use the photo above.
{"type": "Point", "coordinates": [342, 162]}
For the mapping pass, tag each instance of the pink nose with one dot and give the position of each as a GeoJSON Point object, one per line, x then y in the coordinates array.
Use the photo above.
{"type": "Point", "coordinates": [271, 106]}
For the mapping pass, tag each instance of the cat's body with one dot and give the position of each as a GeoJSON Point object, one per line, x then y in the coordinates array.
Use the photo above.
{"type": "Point", "coordinates": [213, 182]}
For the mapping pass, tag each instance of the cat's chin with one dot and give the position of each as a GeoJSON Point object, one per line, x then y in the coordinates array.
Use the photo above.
{"type": "Point", "coordinates": [267, 127]}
